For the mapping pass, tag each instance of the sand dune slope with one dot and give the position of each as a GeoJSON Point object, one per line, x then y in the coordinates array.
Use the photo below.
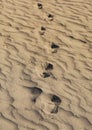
{"type": "Point", "coordinates": [45, 64]}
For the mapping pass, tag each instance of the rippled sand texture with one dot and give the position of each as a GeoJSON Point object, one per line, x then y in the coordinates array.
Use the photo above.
{"type": "Point", "coordinates": [46, 65]}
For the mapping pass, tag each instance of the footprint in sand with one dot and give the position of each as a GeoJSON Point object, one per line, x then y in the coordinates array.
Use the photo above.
{"type": "Point", "coordinates": [46, 74]}
{"type": "Point", "coordinates": [50, 17]}
{"type": "Point", "coordinates": [42, 31]}
{"type": "Point", "coordinates": [56, 100]}
{"type": "Point", "coordinates": [40, 6]}
{"type": "Point", "coordinates": [36, 92]}
{"type": "Point", "coordinates": [54, 47]}
{"type": "Point", "coordinates": [48, 69]}
{"type": "Point", "coordinates": [49, 66]}
{"type": "Point", "coordinates": [48, 103]}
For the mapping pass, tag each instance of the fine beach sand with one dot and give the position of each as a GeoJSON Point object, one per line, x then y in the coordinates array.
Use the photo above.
{"type": "Point", "coordinates": [45, 64]}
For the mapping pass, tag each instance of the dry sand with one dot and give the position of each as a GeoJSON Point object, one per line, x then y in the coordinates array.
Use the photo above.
{"type": "Point", "coordinates": [45, 64]}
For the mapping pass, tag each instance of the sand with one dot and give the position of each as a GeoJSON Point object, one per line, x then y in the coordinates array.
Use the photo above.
{"type": "Point", "coordinates": [45, 64]}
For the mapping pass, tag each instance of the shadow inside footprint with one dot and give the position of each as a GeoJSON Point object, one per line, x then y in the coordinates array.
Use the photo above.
{"type": "Point", "coordinates": [40, 6]}
{"type": "Point", "coordinates": [53, 46]}
{"type": "Point", "coordinates": [49, 66]}
{"type": "Point", "coordinates": [50, 16]}
{"type": "Point", "coordinates": [45, 74]}
{"type": "Point", "coordinates": [71, 37]}
{"type": "Point", "coordinates": [36, 90]}
{"type": "Point", "coordinates": [43, 28]}
{"type": "Point", "coordinates": [55, 99]}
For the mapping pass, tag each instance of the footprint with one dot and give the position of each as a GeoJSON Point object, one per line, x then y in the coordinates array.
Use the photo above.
{"type": "Point", "coordinates": [40, 6]}
{"type": "Point", "coordinates": [56, 99]}
{"type": "Point", "coordinates": [49, 66]}
{"type": "Point", "coordinates": [46, 74]}
{"type": "Point", "coordinates": [71, 37]}
{"type": "Point", "coordinates": [43, 29]}
{"type": "Point", "coordinates": [36, 90]}
{"type": "Point", "coordinates": [45, 104]}
{"type": "Point", "coordinates": [54, 46]}
{"type": "Point", "coordinates": [50, 17]}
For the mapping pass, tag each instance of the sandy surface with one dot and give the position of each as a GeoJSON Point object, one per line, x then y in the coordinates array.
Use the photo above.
{"type": "Point", "coordinates": [46, 65]}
